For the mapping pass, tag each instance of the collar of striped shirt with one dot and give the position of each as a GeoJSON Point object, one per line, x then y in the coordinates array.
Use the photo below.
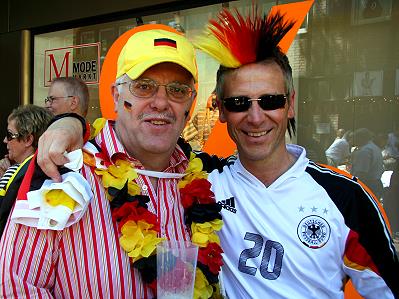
{"type": "Point", "coordinates": [112, 147]}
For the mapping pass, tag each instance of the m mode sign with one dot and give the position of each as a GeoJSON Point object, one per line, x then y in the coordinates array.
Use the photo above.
{"type": "Point", "coordinates": [82, 61]}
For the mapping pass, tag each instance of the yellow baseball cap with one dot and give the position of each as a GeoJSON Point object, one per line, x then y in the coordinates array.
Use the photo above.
{"type": "Point", "coordinates": [157, 44]}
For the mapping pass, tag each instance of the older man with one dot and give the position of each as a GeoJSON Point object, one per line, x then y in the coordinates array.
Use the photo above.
{"type": "Point", "coordinates": [108, 252]}
{"type": "Point", "coordinates": [67, 95]}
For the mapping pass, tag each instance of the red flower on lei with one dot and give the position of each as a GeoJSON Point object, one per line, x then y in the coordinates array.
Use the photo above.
{"type": "Point", "coordinates": [132, 211]}
{"type": "Point", "coordinates": [211, 256]}
{"type": "Point", "coordinates": [198, 191]}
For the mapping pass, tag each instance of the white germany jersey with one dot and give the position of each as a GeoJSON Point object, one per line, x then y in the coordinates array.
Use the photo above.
{"type": "Point", "coordinates": [303, 236]}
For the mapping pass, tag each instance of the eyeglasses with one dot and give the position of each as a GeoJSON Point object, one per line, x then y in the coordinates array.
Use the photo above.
{"type": "Point", "coordinates": [10, 135]}
{"type": "Point", "coordinates": [146, 88]}
{"type": "Point", "coordinates": [50, 99]}
{"type": "Point", "coordinates": [266, 102]}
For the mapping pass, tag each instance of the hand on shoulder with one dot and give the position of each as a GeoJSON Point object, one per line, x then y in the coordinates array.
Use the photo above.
{"type": "Point", "coordinates": [64, 135]}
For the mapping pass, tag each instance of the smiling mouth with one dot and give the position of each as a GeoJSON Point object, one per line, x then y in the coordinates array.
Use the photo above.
{"type": "Point", "coordinates": [157, 119]}
{"type": "Point", "coordinates": [158, 122]}
{"type": "Point", "coordinates": [257, 134]}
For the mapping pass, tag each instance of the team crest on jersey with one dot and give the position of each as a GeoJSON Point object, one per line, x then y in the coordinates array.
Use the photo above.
{"type": "Point", "coordinates": [314, 231]}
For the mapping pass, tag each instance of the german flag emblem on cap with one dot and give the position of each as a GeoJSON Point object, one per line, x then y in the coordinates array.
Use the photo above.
{"type": "Point", "coordinates": [165, 42]}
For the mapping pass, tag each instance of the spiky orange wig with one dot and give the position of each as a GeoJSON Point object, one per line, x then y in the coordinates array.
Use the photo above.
{"type": "Point", "coordinates": [234, 40]}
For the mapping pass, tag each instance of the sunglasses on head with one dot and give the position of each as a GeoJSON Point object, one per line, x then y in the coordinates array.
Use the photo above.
{"type": "Point", "coordinates": [266, 102]}
{"type": "Point", "coordinates": [10, 135]}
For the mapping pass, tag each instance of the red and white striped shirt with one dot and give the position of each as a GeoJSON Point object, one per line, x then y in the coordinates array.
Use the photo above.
{"type": "Point", "coordinates": [86, 260]}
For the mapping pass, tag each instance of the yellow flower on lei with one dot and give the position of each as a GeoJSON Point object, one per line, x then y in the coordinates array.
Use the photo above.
{"type": "Point", "coordinates": [133, 188]}
{"type": "Point", "coordinates": [57, 197]}
{"type": "Point", "coordinates": [204, 233]}
{"type": "Point", "coordinates": [202, 288]}
{"type": "Point", "coordinates": [117, 174]}
{"type": "Point", "coordinates": [98, 124]}
{"type": "Point", "coordinates": [138, 240]}
{"type": "Point", "coordinates": [193, 171]}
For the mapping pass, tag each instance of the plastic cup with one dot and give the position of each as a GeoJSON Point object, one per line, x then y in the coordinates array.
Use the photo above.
{"type": "Point", "coordinates": [176, 264]}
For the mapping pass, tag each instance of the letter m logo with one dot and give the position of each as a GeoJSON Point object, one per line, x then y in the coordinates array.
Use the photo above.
{"type": "Point", "coordinates": [57, 64]}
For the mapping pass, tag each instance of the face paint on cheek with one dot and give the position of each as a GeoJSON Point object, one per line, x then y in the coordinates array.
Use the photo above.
{"type": "Point", "coordinates": [127, 106]}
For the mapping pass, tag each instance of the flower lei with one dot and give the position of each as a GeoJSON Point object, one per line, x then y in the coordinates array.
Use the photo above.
{"type": "Point", "coordinates": [139, 227]}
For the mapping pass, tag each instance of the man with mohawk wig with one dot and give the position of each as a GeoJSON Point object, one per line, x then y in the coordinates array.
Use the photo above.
{"type": "Point", "coordinates": [293, 228]}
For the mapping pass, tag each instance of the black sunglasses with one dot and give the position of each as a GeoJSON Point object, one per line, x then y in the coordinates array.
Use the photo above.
{"type": "Point", "coordinates": [10, 135]}
{"type": "Point", "coordinates": [266, 102]}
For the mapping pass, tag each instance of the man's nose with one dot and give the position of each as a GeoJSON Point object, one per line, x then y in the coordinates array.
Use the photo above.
{"type": "Point", "coordinates": [256, 114]}
{"type": "Point", "coordinates": [160, 100]}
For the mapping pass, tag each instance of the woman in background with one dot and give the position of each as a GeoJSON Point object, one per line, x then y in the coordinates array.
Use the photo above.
{"type": "Point", "coordinates": [25, 125]}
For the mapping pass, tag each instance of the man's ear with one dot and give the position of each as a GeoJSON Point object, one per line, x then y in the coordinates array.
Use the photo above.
{"type": "Point", "coordinates": [75, 103]}
{"type": "Point", "coordinates": [115, 96]}
{"type": "Point", "coordinates": [291, 105]}
{"type": "Point", "coordinates": [222, 116]}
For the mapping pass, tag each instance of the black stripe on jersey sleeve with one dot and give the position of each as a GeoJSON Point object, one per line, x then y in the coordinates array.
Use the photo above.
{"type": "Point", "coordinates": [362, 215]}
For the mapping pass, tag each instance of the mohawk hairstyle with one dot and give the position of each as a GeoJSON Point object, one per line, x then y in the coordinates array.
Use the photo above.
{"type": "Point", "coordinates": [234, 40]}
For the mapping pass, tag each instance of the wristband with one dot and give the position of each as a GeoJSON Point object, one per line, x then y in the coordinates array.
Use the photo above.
{"type": "Point", "coordinates": [74, 115]}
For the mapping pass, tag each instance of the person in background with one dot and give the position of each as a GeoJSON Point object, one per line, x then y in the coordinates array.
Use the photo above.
{"type": "Point", "coordinates": [380, 140]}
{"type": "Point", "coordinates": [68, 95]}
{"type": "Point", "coordinates": [200, 126]}
{"type": "Point", "coordinates": [367, 161]}
{"type": "Point", "coordinates": [392, 146]}
{"type": "Point", "coordinates": [339, 152]}
{"type": "Point", "coordinates": [65, 95]}
{"type": "Point", "coordinates": [25, 125]}
{"type": "Point", "coordinates": [293, 228]}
